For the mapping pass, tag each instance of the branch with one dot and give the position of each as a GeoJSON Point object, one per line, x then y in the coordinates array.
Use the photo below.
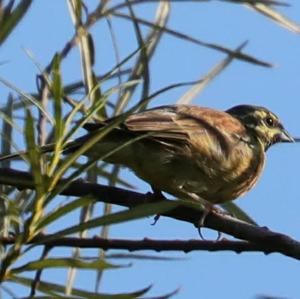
{"type": "Point", "coordinates": [148, 244]}
{"type": "Point", "coordinates": [261, 236]}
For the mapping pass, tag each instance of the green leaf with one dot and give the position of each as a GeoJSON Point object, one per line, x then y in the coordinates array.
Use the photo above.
{"type": "Point", "coordinates": [96, 106]}
{"type": "Point", "coordinates": [237, 212]}
{"type": "Point", "coordinates": [34, 154]}
{"type": "Point", "coordinates": [87, 53]}
{"type": "Point", "coordinates": [9, 215]}
{"type": "Point", "coordinates": [57, 296]}
{"type": "Point", "coordinates": [11, 20]}
{"type": "Point", "coordinates": [10, 121]}
{"type": "Point", "coordinates": [75, 87]}
{"type": "Point", "coordinates": [141, 211]}
{"type": "Point", "coordinates": [59, 127]}
{"type": "Point", "coordinates": [65, 263]}
{"type": "Point", "coordinates": [28, 99]}
{"type": "Point", "coordinates": [7, 132]}
{"type": "Point", "coordinates": [83, 148]}
{"type": "Point", "coordinates": [77, 9]}
{"type": "Point", "coordinates": [56, 289]}
{"type": "Point", "coordinates": [64, 210]}
{"type": "Point", "coordinates": [57, 91]}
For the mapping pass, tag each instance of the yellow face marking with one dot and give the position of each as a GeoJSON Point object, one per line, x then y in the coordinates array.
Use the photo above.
{"type": "Point", "coordinates": [263, 125]}
{"type": "Point", "coordinates": [267, 126]}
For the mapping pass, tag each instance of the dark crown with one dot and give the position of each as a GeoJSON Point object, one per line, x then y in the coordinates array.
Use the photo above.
{"type": "Point", "coordinates": [264, 125]}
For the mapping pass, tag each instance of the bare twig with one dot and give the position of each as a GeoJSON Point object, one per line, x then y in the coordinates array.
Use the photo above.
{"type": "Point", "coordinates": [261, 236]}
{"type": "Point", "coordinates": [150, 244]}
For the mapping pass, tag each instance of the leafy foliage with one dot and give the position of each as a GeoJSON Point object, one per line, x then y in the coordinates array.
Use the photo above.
{"type": "Point", "coordinates": [56, 112]}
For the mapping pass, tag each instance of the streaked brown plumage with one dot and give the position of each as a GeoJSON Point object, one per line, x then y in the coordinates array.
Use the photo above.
{"type": "Point", "coordinates": [197, 152]}
{"type": "Point", "coordinates": [193, 152]}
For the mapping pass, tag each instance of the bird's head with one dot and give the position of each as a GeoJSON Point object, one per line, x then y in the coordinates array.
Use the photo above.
{"type": "Point", "coordinates": [262, 123]}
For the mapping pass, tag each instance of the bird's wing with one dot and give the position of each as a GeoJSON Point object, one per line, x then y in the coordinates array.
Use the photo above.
{"type": "Point", "coordinates": [210, 132]}
{"type": "Point", "coordinates": [161, 121]}
{"type": "Point", "coordinates": [158, 120]}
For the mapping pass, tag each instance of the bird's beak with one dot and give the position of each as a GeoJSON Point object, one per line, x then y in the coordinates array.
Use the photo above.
{"type": "Point", "coordinates": [284, 136]}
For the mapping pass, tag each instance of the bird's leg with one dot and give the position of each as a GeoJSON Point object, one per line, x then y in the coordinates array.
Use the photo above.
{"type": "Point", "coordinates": [157, 194]}
{"type": "Point", "coordinates": [155, 219]}
{"type": "Point", "coordinates": [207, 208]}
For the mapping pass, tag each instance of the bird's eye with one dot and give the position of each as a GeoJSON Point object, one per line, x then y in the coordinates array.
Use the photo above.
{"type": "Point", "coordinates": [270, 122]}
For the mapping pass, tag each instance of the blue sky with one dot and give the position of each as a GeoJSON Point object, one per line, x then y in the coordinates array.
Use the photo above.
{"type": "Point", "coordinates": [274, 202]}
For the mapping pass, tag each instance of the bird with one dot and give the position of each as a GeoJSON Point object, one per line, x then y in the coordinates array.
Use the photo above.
{"type": "Point", "coordinates": [190, 152]}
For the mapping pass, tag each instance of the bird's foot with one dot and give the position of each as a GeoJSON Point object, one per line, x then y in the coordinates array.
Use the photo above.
{"type": "Point", "coordinates": [208, 208]}
{"type": "Point", "coordinates": [157, 195]}
{"type": "Point", "coordinates": [156, 218]}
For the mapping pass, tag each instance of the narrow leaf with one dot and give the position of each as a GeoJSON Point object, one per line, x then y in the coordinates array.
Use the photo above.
{"type": "Point", "coordinates": [51, 263]}
{"type": "Point", "coordinates": [7, 131]}
{"type": "Point", "coordinates": [11, 21]}
{"type": "Point", "coordinates": [64, 210]}
{"type": "Point", "coordinates": [141, 211]}
{"type": "Point", "coordinates": [237, 212]}
{"type": "Point", "coordinates": [55, 289]}
{"type": "Point", "coordinates": [275, 16]}
{"type": "Point", "coordinates": [28, 99]}
{"type": "Point", "coordinates": [34, 154]}
{"type": "Point", "coordinates": [57, 91]}
{"type": "Point", "coordinates": [197, 88]}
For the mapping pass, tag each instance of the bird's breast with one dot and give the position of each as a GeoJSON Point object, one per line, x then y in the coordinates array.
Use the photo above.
{"type": "Point", "coordinates": [237, 173]}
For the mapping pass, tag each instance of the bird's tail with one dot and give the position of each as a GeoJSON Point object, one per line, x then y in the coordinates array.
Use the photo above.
{"type": "Point", "coordinates": [114, 139]}
{"type": "Point", "coordinates": [48, 148]}
{"type": "Point", "coordinates": [107, 144]}
{"type": "Point", "coordinates": [44, 149]}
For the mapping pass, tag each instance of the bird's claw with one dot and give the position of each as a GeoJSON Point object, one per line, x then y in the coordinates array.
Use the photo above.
{"type": "Point", "coordinates": [208, 209]}
{"type": "Point", "coordinates": [156, 218]}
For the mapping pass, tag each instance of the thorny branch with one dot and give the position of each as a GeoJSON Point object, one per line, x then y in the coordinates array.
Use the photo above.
{"type": "Point", "coordinates": [149, 244]}
{"type": "Point", "coordinates": [261, 238]}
